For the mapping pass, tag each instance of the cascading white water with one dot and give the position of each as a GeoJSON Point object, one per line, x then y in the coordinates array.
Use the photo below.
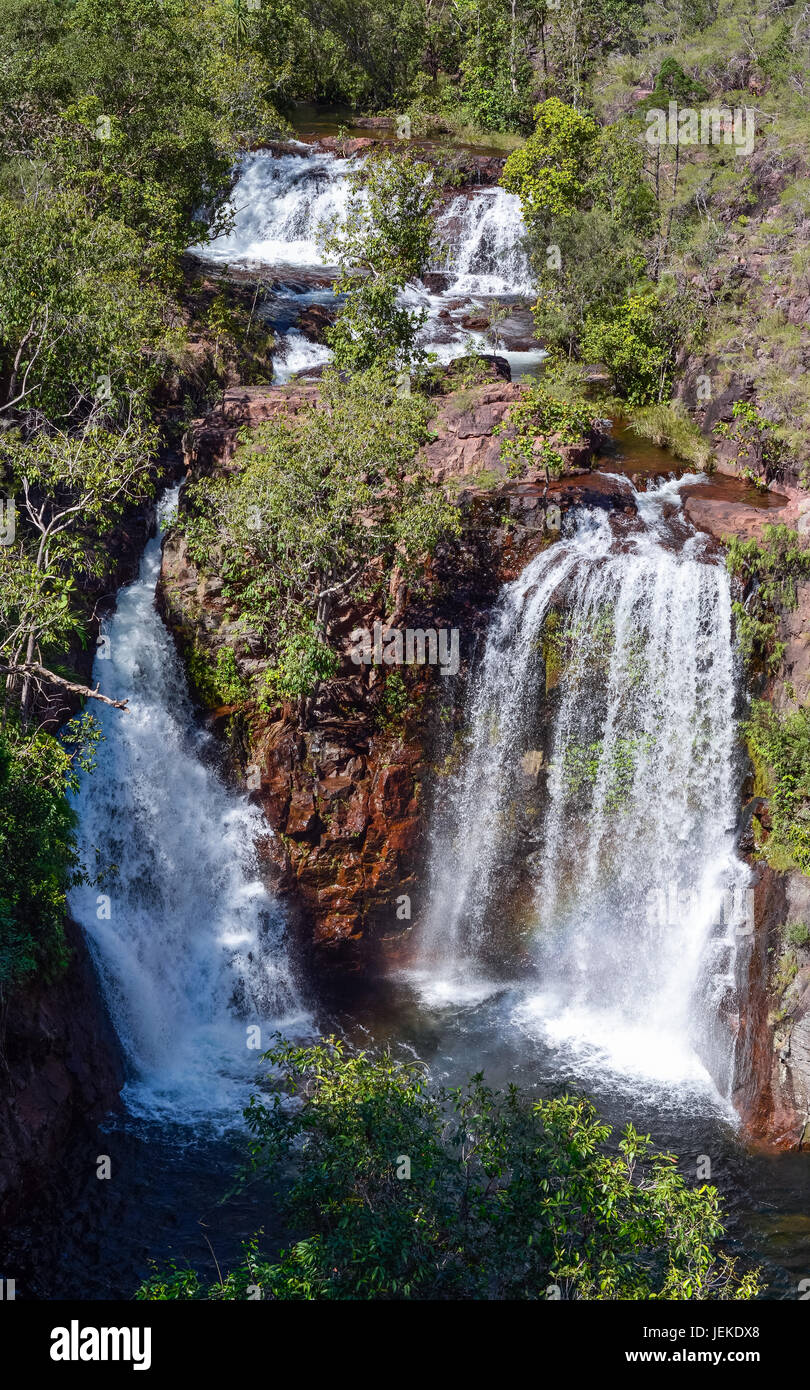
{"type": "Point", "coordinates": [188, 942]}
{"type": "Point", "coordinates": [280, 204]}
{"type": "Point", "coordinates": [484, 232]}
{"type": "Point", "coordinates": [638, 892]}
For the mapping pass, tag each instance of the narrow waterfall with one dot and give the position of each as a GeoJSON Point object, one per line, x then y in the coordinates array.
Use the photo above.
{"type": "Point", "coordinates": [188, 942]}
{"type": "Point", "coordinates": [600, 764]}
{"type": "Point", "coordinates": [483, 233]}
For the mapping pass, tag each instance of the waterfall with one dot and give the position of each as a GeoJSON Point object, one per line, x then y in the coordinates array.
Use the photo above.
{"type": "Point", "coordinates": [484, 235]}
{"type": "Point", "coordinates": [188, 943]}
{"type": "Point", "coordinates": [279, 202]}
{"type": "Point", "coordinates": [277, 206]}
{"type": "Point", "coordinates": [599, 769]}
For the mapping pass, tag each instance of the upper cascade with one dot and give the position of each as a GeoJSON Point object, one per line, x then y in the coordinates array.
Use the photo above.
{"type": "Point", "coordinates": [280, 202]}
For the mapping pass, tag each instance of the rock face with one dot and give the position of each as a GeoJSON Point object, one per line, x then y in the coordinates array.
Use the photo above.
{"type": "Point", "coordinates": [347, 795]}
{"type": "Point", "coordinates": [60, 1069]}
{"type": "Point", "coordinates": [314, 321]}
{"type": "Point", "coordinates": [772, 1091]}
{"type": "Point", "coordinates": [724, 519]}
{"type": "Point", "coordinates": [772, 1060]}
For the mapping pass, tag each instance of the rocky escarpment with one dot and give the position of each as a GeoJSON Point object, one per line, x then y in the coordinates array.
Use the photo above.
{"type": "Point", "coordinates": [347, 796]}
{"type": "Point", "coordinates": [60, 1071]}
{"type": "Point", "coordinates": [755, 289]}
{"type": "Point", "coordinates": [773, 1046]}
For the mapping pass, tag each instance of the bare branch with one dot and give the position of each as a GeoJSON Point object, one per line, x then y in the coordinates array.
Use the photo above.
{"type": "Point", "coordinates": [34, 669]}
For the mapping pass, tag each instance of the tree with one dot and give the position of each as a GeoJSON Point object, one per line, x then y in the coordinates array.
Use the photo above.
{"type": "Point", "coordinates": [81, 321]}
{"type": "Point", "coordinates": [549, 171]}
{"type": "Point", "coordinates": [323, 505]}
{"type": "Point", "coordinates": [39, 858]}
{"type": "Point", "coordinates": [638, 339]}
{"type": "Point", "coordinates": [399, 1189]}
{"type": "Point", "coordinates": [384, 241]}
{"type": "Point", "coordinates": [73, 489]}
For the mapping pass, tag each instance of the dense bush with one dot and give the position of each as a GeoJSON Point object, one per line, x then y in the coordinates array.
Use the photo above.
{"type": "Point", "coordinates": [769, 569]}
{"type": "Point", "coordinates": [782, 744]}
{"type": "Point", "coordinates": [397, 1189]}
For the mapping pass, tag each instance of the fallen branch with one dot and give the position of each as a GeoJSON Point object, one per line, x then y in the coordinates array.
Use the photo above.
{"type": "Point", "coordinates": [33, 668]}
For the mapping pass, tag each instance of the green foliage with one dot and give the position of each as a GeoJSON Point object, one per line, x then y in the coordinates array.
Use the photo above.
{"type": "Point", "coordinates": [637, 340]}
{"type": "Point", "coordinates": [769, 569]}
{"type": "Point", "coordinates": [384, 241]}
{"type": "Point", "coordinates": [119, 108]}
{"type": "Point", "coordinates": [74, 488]}
{"type": "Point", "coordinates": [323, 505]}
{"type": "Point", "coordinates": [76, 306]}
{"type": "Point", "coordinates": [758, 449]}
{"type": "Point", "coordinates": [797, 934]}
{"type": "Point", "coordinates": [548, 172]}
{"type": "Point", "coordinates": [782, 743]}
{"type": "Point", "coordinates": [216, 682]}
{"type": "Point", "coordinates": [303, 660]}
{"type": "Point", "coordinates": [673, 84]}
{"type": "Point", "coordinates": [402, 1190]}
{"type": "Point", "coordinates": [394, 703]}
{"type": "Point", "coordinates": [670, 427]}
{"type": "Point", "coordinates": [582, 764]}
{"type": "Point", "coordinates": [588, 207]}
{"type": "Point", "coordinates": [539, 425]}
{"type": "Point", "coordinates": [38, 852]}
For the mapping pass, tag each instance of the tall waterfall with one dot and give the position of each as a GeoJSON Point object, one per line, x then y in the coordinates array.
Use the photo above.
{"type": "Point", "coordinates": [600, 761]}
{"type": "Point", "coordinates": [188, 943]}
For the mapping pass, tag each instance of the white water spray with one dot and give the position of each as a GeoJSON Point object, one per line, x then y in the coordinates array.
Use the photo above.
{"type": "Point", "coordinates": [631, 855]}
{"type": "Point", "coordinates": [484, 233]}
{"type": "Point", "coordinates": [281, 203]}
{"type": "Point", "coordinates": [188, 942]}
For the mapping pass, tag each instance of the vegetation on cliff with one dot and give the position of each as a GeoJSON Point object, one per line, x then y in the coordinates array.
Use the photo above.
{"type": "Point", "coordinates": [323, 506]}
{"type": "Point", "coordinates": [769, 570]}
{"type": "Point", "coordinates": [118, 129]}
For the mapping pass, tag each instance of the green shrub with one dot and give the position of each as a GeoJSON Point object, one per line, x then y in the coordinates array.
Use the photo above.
{"type": "Point", "coordinates": [38, 851]}
{"type": "Point", "coordinates": [400, 1190]}
{"type": "Point", "coordinates": [770, 568]}
{"type": "Point", "coordinates": [797, 934]}
{"type": "Point", "coordinates": [631, 340]}
{"type": "Point", "coordinates": [782, 743]}
{"type": "Point", "coordinates": [538, 425]}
